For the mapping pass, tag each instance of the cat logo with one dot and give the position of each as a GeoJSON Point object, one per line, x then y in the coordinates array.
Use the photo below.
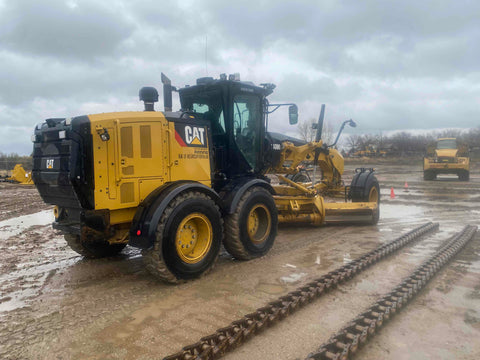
{"type": "Point", "coordinates": [194, 135]}
{"type": "Point", "coordinates": [189, 135]}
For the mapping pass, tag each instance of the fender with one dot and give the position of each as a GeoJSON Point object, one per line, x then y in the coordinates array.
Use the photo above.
{"type": "Point", "coordinates": [149, 212]}
{"type": "Point", "coordinates": [233, 192]}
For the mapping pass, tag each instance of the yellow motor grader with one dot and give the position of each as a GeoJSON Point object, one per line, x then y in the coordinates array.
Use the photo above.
{"type": "Point", "coordinates": [179, 184]}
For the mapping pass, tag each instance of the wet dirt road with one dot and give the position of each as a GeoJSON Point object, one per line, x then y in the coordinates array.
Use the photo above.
{"type": "Point", "coordinates": [55, 305]}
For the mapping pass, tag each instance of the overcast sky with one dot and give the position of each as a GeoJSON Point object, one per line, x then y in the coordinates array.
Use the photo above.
{"type": "Point", "coordinates": [389, 65]}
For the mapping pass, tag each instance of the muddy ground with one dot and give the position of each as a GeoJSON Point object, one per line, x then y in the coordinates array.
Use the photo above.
{"type": "Point", "coordinates": [56, 305]}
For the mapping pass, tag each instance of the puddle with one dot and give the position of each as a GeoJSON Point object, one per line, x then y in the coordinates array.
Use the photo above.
{"type": "Point", "coordinates": [293, 278]}
{"type": "Point", "coordinates": [472, 267]}
{"type": "Point", "coordinates": [15, 226]}
{"type": "Point", "coordinates": [365, 285]}
{"type": "Point", "coordinates": [397, 212]}
{"type": "Point", "coordinates": [18, 286]}
{"type": "Point", "coordinates": [315, 257]}
{"type": "Point", "coordinates": [273, 289]}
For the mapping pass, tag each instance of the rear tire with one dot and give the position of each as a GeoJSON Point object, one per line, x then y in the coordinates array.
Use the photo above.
{"type": "Point", "coordinates": [251, 230]}
{"type": "Point", "coordinates": [188, 239]}
{"type": "Point", "coordinates": [365, 188]}
{"type": "Point", "coordinates": [464, 175]}
{"type": "Point", "coordinates": [429, 175]}
{"type": "Point", "coordinates": [93, 250]}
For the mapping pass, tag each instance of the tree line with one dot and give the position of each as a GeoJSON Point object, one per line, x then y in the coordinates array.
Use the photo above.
{"type": "Point", "coordinates": [408, 144]}
{"type": "Point", "coordinates": [8, 161]}
{"type": "Point", "coordinates": [398, 144]}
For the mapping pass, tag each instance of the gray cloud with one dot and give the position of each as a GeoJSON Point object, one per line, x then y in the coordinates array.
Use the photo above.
{"type": "Point", "coordinates": [80, 32]}
{"type": "Point", "coordinates": [388, 65]}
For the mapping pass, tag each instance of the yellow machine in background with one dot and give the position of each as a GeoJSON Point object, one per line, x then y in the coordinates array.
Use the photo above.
{"type": "Point", "coordinates": [19, 175]}
{"type": "Point", "coordinates": [180, 184]}
{"type": "Point", "coordinates": [446, 159]}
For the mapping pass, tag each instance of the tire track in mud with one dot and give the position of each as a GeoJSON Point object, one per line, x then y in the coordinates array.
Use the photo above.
{"type": "Point", "coordinates": [63, 307]}
{"type": "Point", "coordinates": [16, 200]}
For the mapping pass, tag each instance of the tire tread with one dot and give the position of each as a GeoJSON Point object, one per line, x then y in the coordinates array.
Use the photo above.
{"type": "Point", "coordinates": [153, 257]}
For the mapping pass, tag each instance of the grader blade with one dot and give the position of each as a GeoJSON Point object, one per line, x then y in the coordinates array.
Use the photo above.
{"type": "Point", "coordinates": [350, 212]}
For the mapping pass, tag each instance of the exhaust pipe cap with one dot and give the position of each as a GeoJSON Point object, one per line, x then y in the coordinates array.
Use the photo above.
{"type": "Point", "coordinates": [149, 96]}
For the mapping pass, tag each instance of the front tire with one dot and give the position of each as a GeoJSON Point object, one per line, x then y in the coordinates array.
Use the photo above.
{"type": "Point", "coordinates": [429, 175]}
{"type": "Point", "coordinates": [92, 250]}
{"type": "Point", "coordinates": [251, 230]}
{"type": "Point", "coordinates": [188, 239]}
{"type": "Point", "coordinates": [464, 176]}
{"type": "Point", "coordinates": [365, 188]}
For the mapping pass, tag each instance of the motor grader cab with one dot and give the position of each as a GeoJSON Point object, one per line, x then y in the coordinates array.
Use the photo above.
{"type": "Point", "coordinates": [175, 184]}
{"type": "Point", "coordinates": [446, 158]}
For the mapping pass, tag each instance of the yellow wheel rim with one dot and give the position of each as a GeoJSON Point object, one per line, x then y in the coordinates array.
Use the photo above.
{"type": "Point", "coordinates": [194, 238]}
{"type": "Point", "coordinates": [373, 195]}
{"type": "Point", "coordinates": [259, 223]}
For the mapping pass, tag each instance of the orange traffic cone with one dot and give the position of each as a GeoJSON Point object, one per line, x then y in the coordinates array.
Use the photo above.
{"type": "Point", "coordinates": [406, 185]}
{"type": "Point", "coordinates": [392, 194]}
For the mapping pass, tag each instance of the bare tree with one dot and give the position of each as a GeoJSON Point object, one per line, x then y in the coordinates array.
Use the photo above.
{"type": "Point", "coordinates": [353, 143]}
{"type": "Point", "coordinates": [307, 132]}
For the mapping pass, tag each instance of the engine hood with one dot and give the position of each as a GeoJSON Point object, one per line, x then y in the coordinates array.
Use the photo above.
{"type": "Point", "coordinates": [446, 152]}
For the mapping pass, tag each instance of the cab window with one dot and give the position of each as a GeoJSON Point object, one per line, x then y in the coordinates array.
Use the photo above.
{"type": "Point", "coordinates": [247, 121]}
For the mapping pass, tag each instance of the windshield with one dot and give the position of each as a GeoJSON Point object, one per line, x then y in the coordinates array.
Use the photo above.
{"type": "Point", "coordinates": [447, 144]}
{"type": "Point", "coordinates": [208, 104]}
{"type": "Point", "coordinates": [247, 120]}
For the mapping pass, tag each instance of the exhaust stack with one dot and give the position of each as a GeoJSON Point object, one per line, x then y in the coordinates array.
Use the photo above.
{"type": "Point", "coordinates": [167, 92]}
{"type": "Point", "coordinates": [318, 135]}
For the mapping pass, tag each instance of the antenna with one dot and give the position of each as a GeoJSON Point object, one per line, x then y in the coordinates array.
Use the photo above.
{"type": "Point", "coordinates": [206, 52]}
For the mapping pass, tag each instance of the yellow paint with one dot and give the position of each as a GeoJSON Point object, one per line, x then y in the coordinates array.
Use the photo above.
{"type": "Point", "coordinates": [307, 209]}
{"type": "Point", "coordinates": [140, 155]}
{"type": "Point", "coordinates": [446, 159]}
{"type": "Point", "coordinates": [304, 203]}
{"type": "Point", "coordinates": [259, 224]}
{"type": "Point", "coordinates": [194, 238]}
{"type": "Point", "coordinates": [331, 164]}
{"type": "Point", "coordinates": [21, 176]}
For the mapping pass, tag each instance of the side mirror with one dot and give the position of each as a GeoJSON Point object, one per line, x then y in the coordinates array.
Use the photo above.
{"type": "Point", "coordinates": [293, 114]}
